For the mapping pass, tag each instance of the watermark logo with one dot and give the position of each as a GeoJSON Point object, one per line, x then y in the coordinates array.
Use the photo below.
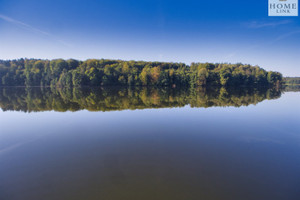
{"type": "Point", "coordinates": [283, 7]}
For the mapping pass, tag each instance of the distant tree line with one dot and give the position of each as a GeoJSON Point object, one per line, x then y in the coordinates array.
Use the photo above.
{"type": "Point", "coordinates": [35, 99]}
{"type": "Point", "coordinates": [74, 73]}
{"type": "Point", "coordinates": [292, 80]}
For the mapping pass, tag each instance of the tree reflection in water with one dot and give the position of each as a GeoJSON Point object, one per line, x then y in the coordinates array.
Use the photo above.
{"type": "Point", "coordinates": [35, 99]}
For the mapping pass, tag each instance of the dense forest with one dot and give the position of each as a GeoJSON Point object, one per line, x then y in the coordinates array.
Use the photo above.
{"type": "Point", "coordinates": [74, 73]}
{"type": "Point", "coordinates": [35, 99]}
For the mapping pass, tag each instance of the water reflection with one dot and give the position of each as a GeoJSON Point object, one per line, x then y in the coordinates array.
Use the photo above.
{"type": "Point", "coordinates": [115, 98]}
{"type": "Point", "coordinates": [224, 153]}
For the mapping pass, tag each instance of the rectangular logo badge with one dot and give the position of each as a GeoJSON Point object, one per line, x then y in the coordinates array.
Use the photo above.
{"type": "Point", "coordinates": [283, 7]}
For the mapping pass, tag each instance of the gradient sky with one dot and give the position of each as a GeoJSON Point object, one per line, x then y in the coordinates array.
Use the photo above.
{"type": "Point", "coordinates": [152, 30]}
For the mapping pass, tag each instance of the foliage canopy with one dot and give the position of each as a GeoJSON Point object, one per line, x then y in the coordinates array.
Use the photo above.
{"type": "Point", "coordinates": [93, 72]}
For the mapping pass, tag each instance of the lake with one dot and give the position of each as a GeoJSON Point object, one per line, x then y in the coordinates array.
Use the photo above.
{"type": "Point", "coordinates": [147, 143]}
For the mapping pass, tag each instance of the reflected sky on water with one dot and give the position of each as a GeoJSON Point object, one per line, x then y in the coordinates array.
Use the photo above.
{"type": "Point", "coordinates": [171, 152]}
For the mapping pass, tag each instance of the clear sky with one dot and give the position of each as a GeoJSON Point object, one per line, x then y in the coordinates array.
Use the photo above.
{"type": "Point", "coordinates": [152, 30]}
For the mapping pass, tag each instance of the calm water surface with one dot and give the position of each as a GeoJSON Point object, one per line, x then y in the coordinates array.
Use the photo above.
{"type": "Point", "coordinates": [169, 144]}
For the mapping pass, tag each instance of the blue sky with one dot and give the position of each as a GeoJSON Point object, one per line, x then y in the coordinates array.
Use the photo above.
{"type": "Point", "coordinates": [170, 30]}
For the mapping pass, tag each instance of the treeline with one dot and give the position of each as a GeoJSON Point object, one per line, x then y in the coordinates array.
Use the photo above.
{"type": "Point", "coordinates": [74, 73]}
{"type": "Point", "coordinates": [292, 80]}
{"type": "Point", "coordinates": [36, 99]}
